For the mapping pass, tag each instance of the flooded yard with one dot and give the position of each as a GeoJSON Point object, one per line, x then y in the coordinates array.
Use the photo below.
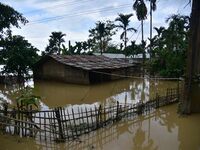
{"type": "Point", "coordinates": [161, 129]}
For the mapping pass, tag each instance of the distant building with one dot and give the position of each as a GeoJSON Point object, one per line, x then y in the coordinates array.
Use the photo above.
{"type": "Point", "coordinates": [137, 59]}
{"type": "Point", "coordinates": [80, 69]}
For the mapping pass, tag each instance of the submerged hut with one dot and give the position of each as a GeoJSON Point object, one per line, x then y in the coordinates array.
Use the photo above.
{"type": "Point", "coordinates": [80, 69]}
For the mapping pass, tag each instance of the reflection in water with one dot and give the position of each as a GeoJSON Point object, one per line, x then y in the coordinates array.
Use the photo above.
{"type": "Point", "coordinates": [55, 94]}
{"type": "Point", "coordinates": [162, 129]}
{"type": "Point", "coordinates": [130, 91]}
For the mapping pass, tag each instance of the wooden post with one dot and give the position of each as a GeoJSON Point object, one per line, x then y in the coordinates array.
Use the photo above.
{"type": "Point", "coordinates": [66, 126]}
{"type": "Point", "coordinates": [88, 123]}
{"type": "Point", "coordinates": [14, 116]}
{"type": "Point", "coordinates": [5, 114]}
{"type": "Point", "coordinates": [74, 120]}
{"type": "Point", "coordinates": [45, 135]}
{"type": "Point", "coordinates": [157, 100]}
{"type": "Point", "coordinates": [98, 117]}
{"type": "Point", "coordinates": [91, 114]}
{"type": "Point", "coordinates": [58, 117]}
{"type": "Point", "coordinates": [70, 124]}
{"type": "Point", "coordinates": [40, 124]}
{"type": "Point", "coordinates": [50, 124]}
{"type": "Point", "coordinates": [18, 117]}
{"type": "Point", "coordinates": [82, 118]}
{"type": "Point", "coordinates": [30, 116]}
{"type": "Point", "coordinates": [117, 113]}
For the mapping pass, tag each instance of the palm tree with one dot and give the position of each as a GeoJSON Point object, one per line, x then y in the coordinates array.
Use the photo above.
{"type": "Point", "coordinates": [55, 41]}
{"type": "Point", "coordinates": [101, 34]}
{"type": "Point", "coordinates": [124, 23]}
{"type": "Point", "coordinates": [141, 12]}
{"type": "Point", "coordinates": [58, 38]}
{"type": "Point", "coordinates": [101, 29]}
{"type": "Point", "coordinates": [152, 8]}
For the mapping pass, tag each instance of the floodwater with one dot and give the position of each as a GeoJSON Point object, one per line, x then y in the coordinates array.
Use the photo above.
{"type": "Point", "coordinates": [162, 129]}
{"type": "Point", "coordinates": [129, 91]}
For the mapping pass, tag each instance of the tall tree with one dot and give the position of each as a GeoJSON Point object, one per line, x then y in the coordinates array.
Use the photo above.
{"type": "Point", "coordinates": [133, 49]}
{"type": "Point", "coordinates": [141, 12]}
{"type": "Point", "coordinates": [10, 17]}
{"type": "Point", "coordinates": [18, 56]}
{"type": "Point", "coordinates": [152, 8]}
{"type": "Point", "coordinates": [101, 35]}
{"type": "Point", "coordinates": [124, 20]}
{"type": "Point", "coordinates": [190, 102]}
{"type": "Point", "coordinates": [169, 47]}
{"type": "Point", "coordinates": [55, 41]}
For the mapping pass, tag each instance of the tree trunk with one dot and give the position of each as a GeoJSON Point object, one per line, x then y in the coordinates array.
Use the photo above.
{"type": "Point", "coordinates": [19, 76]}
{"type": "Point", "coordinates": [125, 36]}
{"type": "Point", "coordinates": [150, 47]}
{"type": "Point", "coordinates": [190, 101]}
{"type": "Point", "coordinates": [101, 46]}
{"type": "Point", "coordinates": [143, 46]}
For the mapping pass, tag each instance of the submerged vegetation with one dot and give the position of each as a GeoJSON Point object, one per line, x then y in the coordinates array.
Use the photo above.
{"type": "Point", "coordinates": [26, 98]}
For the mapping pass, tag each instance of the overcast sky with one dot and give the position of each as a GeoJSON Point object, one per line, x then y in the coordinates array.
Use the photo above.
{"type": "Point", "coordinates": [76, 17]}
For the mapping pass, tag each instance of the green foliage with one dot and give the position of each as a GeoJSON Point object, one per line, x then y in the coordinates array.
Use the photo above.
{"type": "Point", "coordinates": [80, 48]}
{"type": "Point", "coordinates": [18, 55]}
{"type": "Point", "coordinates": [133, 49]}
{"type": "Point", "coordinates": [55, 41]}
{"type": "Point", "coordinates": [10, 17]}
{"type": "Point", "coordinates": [27, 98]}
{"type": "Point", "coordinates": [141, 9]}
{"type": "Point", "coordinates": [101, 35]}
{"type": "Point", "coordinates": [124, 20]}
{"type": "Point", "coordinates": [169, 47]}
{"type": "Point", "coordinates": [113, 49]}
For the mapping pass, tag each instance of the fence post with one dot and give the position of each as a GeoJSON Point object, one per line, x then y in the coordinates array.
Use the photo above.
{"type": "Point", "coordinates": [5, 113]}
{"type": "Point", "coordinates": [157, 100]}
{"type": "Point", "coordinates": [99, 117]}
{"type": "Point", "coordinates": [177, 92]}
{"type": "Point", "coordinates": [58, 117]}
{"type": "Point", "coordinates": [30, 115]}
{"type": "Point", "coordinates": [140, 108]}
{"type": "Point", "coordinates": [117, 113]}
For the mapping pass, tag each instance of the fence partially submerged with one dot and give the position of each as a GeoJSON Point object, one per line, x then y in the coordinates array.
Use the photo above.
{"type": "Point", "coordinates": [62, 124]}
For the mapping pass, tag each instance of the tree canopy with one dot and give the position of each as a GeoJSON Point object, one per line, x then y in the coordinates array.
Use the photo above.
{"type": "Point", "coordinates": [101, 35]}
{"type": "Point", "coordinates": [170, 45]}
{"type": "Point", "coordinates": [18, 55]}
{"type": "Point", "coordinates": [124, 20]}
{"type": "Point", "coordinates": [10, 17]}
{"type": "Point", "coordinates": [55, 41]}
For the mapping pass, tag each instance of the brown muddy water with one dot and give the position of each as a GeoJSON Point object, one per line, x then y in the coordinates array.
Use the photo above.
{"type": "Point", "coordinates": [56, 94]}
{"type": "Point", "coordinates": [162, 129]}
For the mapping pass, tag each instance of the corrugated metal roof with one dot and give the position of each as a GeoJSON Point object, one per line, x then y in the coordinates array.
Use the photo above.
{"type": "Point", "coordinates": [90, 62]}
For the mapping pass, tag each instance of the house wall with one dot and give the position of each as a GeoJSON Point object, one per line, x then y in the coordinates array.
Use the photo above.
{"type": "Point", "coordinates": [117, 73]}
{"type": "Point", "coordinates": [53, 70]}
{"type": "Point", "coordinates": [76, 75]}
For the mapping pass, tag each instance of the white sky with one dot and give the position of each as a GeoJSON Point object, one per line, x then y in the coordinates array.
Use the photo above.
{"type": "Point", "coordinates": [76, 17]}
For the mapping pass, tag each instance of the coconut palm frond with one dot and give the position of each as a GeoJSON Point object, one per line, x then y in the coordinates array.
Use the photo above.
{"type": "Point", "coordinates": [119, 26]}
{"type": "Point", "coordinates": [154, 6]}
{"type": "Point", "coordinates": [141, 9]}
{"type": "Point", "coordinates": [122, 35]}
{"type": "Point", "coordinates": [132, 29]}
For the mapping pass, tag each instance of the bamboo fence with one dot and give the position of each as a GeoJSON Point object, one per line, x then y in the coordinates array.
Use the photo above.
{"type": "Point", "coordinates": [61, 124]}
